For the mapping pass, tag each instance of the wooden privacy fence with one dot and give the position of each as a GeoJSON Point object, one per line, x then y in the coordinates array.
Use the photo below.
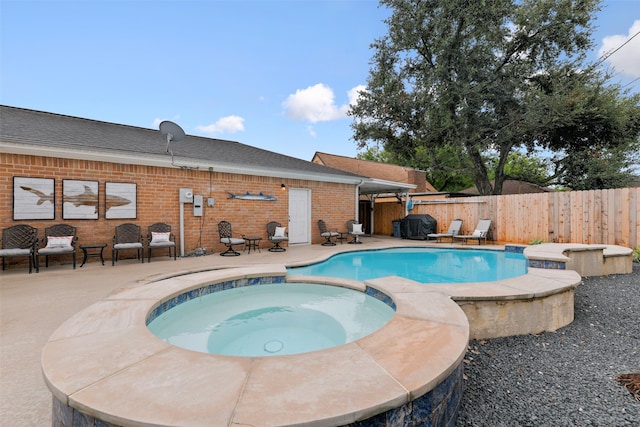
{"type": "Point", "coordinates": [594, 216]}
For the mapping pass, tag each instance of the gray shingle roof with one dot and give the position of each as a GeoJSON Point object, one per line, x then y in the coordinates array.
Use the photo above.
{"type": "Point", "coordinates": [18, 125]}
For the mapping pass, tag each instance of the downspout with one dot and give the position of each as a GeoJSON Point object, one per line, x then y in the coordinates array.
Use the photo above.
{"type": "Point", "coordinates": [406, 203]}
{"type": "Point", "coordinates": [372, 213]}
{"type": "Point", "coordinates": [357, 217]}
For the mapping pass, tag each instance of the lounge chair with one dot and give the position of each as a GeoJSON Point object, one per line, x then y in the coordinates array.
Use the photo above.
{"type": "Point", "coordinates": [159, 236]}
{"type": "Point", "coordinates": [354, 229]}
{"type": "Point", "coordinates": [59, 239]}
{"type": "Point", "coordinates": [480, 233]}
{"type": "Point", "coordinates": [226, 237]}
{"type": "Point", "coordinates": [454, 230]}
{"type": "Point", "coordinates": [19, 241]}
{"type": "Point", "coordinates": [328, 235]}
{"type": "Point", "coordinates": [276, 234]}
{"type": "Point", "coordinates": [127, 237]}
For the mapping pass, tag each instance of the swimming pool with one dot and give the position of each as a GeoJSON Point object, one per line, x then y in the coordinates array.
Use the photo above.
{"type": "Point", "coordinates": [274, 319]}
{"type": "Point", "coordinates": [423, 265]}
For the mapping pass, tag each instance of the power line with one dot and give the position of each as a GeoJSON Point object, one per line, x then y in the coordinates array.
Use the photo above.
{"type": "Point", "coordinates": [611, 52]}
{"type": "Point", "coordinates": [631, 82]}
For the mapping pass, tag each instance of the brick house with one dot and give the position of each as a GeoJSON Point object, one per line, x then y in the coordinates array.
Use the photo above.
{"type": "Point", "coordinates": [377, 207]}
{"type": "Point", "coordinates": [65, 153]}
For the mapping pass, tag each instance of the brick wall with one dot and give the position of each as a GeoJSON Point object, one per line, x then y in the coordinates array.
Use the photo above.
{"type": "Point", "coordinates": [158, 200]}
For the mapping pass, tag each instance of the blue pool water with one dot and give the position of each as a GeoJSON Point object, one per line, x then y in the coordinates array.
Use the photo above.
{"type": "Point", "coordinates": [274, 319]}
{"type": "Point", "coordinates": [424, 265]}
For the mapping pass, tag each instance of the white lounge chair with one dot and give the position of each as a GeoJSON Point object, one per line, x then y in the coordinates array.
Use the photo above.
{"type": "Point", "coordinates": [454, 230]}
{"type": "Point", "coordinates": [480, 233]}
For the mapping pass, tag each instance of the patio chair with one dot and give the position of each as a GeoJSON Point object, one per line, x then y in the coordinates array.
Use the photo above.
{"type": "Point", "coordinates": [480, 233]}
{"type": "Point", "coordinates": [354, 229]}
{"type": "Point", "coordinates": [19, 241]}
{"type": "Point", "coordinates": [328, 235]}
{"type": "Point", "coordinates": [454, 230]}
{"type": "Point", "coordinates": [159, 236]}
{"type": "Point", "coordinates": [127, 237]}
{"type": "Point", "coordinates": [276, 235]}
{"type": "Point", "coordinates": [59, 239]}
{"type": "Point", "coordinates": [226, 237]}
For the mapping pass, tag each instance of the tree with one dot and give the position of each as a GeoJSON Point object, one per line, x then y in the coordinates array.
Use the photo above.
{"type": "Point", "coordinates": [522, 166]}
{"type": "Point", "coordinates": [470, 78]}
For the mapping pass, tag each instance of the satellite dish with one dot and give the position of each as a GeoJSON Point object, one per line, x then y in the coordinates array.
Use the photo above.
{"type": "Point", "coordinates": [172, 131]}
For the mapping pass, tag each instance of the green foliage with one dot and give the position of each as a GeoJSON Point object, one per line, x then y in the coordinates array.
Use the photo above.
{"type": "Point", "coordinates": [524, 167]}
{"type": "Point", "coordinates": [536, 241]}
{"type": "Point", "coordinates": [375, 154]}
{"type": "Point", "coordinates": [636, 254]}
{"type": "Point", "coordinates": [455, 81]}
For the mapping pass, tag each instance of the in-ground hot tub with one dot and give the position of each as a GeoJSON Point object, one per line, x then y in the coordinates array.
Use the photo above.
{"type": "Point", "coordinates": [279, 319]}
{"type": "Point", "coordinates": [104, 364]}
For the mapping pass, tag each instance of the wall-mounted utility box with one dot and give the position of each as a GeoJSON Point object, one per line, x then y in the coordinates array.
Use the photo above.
{"type": "Point", "coordinates": [197, 205]}
{"type": "Point", "coordinates": [211, 201]}
{"type": "Point", "coordinates": [186, 195]}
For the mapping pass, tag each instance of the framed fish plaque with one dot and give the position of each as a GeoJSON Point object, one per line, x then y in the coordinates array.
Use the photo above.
{"type": "Point", "coordinates": [34, 198]}
{"type": "Point", "coordinates": [120, 200]}
{"type": "Point", "coordinates": [79, 199]}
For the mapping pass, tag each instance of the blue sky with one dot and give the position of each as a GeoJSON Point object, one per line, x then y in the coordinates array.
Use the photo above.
{"type": "Point", "coordinates": [278, 75]}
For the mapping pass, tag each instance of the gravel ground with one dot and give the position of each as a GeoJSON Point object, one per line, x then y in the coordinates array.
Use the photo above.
{"type": "Point", "coordinates": [562, 378]}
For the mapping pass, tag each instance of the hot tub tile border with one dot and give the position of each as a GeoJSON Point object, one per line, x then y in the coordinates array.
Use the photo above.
{"type": "Point", "coordinates": [209, 289]}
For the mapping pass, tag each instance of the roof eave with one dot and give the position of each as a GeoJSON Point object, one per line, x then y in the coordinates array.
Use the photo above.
{"type": "Point", "coordinates": [162, 160]}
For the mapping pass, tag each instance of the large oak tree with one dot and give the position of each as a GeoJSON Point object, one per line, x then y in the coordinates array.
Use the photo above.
{"type": "Point", "coordinates": [466, 80]}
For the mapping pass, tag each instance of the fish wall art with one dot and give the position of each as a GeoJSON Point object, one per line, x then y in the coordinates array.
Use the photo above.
{"type": "Point", "coordinates": [33, 198]}
{"type": "Point", "coordinates": [79, 199]}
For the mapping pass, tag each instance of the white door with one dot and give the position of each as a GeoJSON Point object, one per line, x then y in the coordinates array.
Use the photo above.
{"type": "Point", "coordinates": [299, 215]}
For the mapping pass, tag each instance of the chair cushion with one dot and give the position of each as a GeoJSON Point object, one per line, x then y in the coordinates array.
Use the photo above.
{"type": "Point", "coordinates": [159, 237]}
{"type": "Point", "coordinates": [15, 252]}
{"type": "Point", "coordinates": [127, 246]}
{"type": "Point", "coordinates": [165, 244]}
{"type": "Point", "coordinates": [280, 232]}
{"type": "Point", "coordinates": [59, 242]}
{"type": "Point", "coordinates": [59, 250]}
{"type": "Point", "coordinates": [357, 229]}
{"type": "Point", "coordinates": [330, 234]}
{"type": "Point", "coordinates": [231, 241]}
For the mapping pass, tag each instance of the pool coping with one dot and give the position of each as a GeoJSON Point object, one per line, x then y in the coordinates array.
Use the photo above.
{"type": "Point", "coordinates": [106, 364]}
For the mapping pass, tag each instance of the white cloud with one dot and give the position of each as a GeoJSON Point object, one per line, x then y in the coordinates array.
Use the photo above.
{"type": "Point", "coordinates": [317, 104]}
{"type": "Point", "coordinates": [312, 131]}
{"type": "Point", "coordinates": [229, 124]}
{"type": "Point", "coordinates": [625, 60]}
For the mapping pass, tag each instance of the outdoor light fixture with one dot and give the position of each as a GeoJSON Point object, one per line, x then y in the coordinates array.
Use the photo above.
{"type": "Point", "coordinates": [282, 186]}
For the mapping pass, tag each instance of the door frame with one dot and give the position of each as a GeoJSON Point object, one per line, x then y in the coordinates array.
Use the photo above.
{"type": "Point", "coordinates": [305, 222]}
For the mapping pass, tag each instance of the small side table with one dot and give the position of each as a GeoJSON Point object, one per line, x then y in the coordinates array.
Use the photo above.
{"type": "Point", "coordinates": [252, 242]}
{"type": "Point", "coordinates": [344, 235]}
{"type": "Point", "coordinates": [91, 251]}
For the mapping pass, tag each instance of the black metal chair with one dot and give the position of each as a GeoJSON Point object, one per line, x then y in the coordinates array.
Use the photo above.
{"type": "Point", "coordinates": [127, 237]}
{"type": "Point", "coordinates": [159, 236]}
{"type": "Point", "coordinates": [354, 229]}
{"type": "Point", "coordinates": [19, 241]}
{"type": "Point", "coordinates": [226, 238]}
{"type": "Point", "coordinates": [59, 239]}
{"type": "Point", "coordinates": [328, 235]}
{"type": "Point", "coordinates": [276, 234]}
